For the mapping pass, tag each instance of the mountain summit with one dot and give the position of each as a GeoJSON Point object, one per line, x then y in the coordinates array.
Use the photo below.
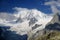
{"type": "Point", "coordinates": [32, 19]}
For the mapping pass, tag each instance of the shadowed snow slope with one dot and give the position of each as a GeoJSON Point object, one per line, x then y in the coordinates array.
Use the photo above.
{"type": "Point", "coordinates": [25, 20]}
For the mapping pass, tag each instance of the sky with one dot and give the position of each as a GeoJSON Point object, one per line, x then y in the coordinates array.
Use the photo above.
{"type": "Point", "coordinates": [8, 5]}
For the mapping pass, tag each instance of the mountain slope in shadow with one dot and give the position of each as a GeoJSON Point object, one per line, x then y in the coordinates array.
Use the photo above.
{"type": "Point", "coordinates": [55, 26]}
{"type": "Point", "coordinates": [6, 34]}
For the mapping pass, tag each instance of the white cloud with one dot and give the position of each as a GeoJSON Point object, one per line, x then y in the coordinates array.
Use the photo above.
{"type": "Point", "coordinates": [4, 16]}
{"type": "Point", "coordinates": [54, 5]}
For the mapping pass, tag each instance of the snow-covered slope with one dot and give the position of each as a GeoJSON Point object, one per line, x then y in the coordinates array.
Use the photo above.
{"type": "Point", "coordinates": [26, 20]}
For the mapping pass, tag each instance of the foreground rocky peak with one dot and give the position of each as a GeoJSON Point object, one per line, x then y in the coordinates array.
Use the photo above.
{"type": "Point", "coordinates": [54, 24]}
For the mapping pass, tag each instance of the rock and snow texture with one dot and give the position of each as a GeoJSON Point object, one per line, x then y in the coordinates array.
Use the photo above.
{"type": "Point", "coordinates": [25, 20]}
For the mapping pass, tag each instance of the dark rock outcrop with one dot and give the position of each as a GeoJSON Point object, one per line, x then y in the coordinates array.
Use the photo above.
{"type": "Point", "coordinates": [6, 34]}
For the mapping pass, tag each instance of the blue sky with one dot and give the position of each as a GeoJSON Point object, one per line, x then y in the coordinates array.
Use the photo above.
{"type": "Point", "coordinates": [7, 5]}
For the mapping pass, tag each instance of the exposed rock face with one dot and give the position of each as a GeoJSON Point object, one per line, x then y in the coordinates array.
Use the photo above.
{"type": "Point", "coordinates": [56, 19]}
{"type": "Point", "coordinates": [54, 24]}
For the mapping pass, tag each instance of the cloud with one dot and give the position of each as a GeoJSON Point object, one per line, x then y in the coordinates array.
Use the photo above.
{"type": "Point", "coordinates": [4, 16]}
{"type": "Point", "coordinates": [54, 5]}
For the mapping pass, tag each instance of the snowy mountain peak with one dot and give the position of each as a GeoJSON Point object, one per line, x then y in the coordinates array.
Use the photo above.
{"type": "Point", "coordinates": [27, 20]}
{"type": "Point", "coordinates": [26, 12]}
